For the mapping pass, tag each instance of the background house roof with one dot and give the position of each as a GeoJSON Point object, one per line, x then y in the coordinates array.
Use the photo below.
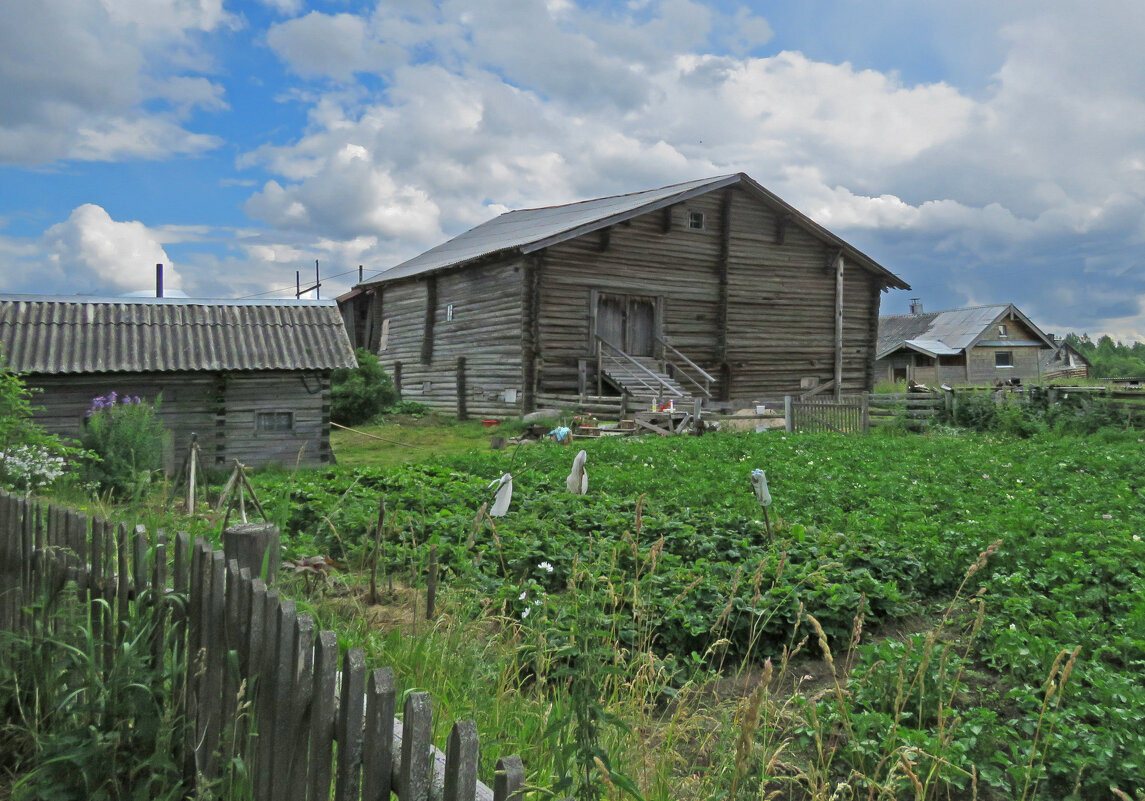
{"type": "Point", "coordinates": [528, 230]}
{"type": "Point", "coordinates": [64, 334]}
{"type": "Point", "coordinates": [945, 332]}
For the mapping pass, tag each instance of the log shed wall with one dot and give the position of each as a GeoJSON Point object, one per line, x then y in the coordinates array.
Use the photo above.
{"type": "Point", "coordinates": [259, 418]}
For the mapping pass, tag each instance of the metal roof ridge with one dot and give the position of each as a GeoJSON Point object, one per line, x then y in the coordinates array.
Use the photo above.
{"type": "Point", "coordinates": [14, 297]}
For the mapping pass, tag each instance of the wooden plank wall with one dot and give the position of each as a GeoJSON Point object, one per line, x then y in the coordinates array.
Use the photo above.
{"type": "Point", "coordinates": [219, 408]}
{"type": "Point", "coordinates": [485, 331]}
{"type": "Point", "coordinates": [257, 684]}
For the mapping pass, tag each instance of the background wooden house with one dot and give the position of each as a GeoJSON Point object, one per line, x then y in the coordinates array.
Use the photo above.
{"type": "Point", "coordinates": [250, 378]}
{"type": "Point", "coordinates": [714, 288]}
{"type": "Point", "coordinates": [975, 345]}
{"type": "Point", "coordinates": [1064, 362]}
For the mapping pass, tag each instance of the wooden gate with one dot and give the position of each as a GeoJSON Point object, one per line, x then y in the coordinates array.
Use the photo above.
{"type": "Point", "coordinates": [844, 415]}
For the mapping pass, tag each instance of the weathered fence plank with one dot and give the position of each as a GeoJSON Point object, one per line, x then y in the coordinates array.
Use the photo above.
{"type": "Point", "coordinates": [348, 731]}
{"type": "Point", "coordinates": [416, 767]}
{"type": "Point", "coordinates": [509, 781]}
{"type": "Point", "coordinates": [461, 755]}
{"type": "Point", "coordinates": [322, 716]}
{"type": "Point", "coordinates": [300, 706]}
{"type": "Point", "coordinates": [378, 755]}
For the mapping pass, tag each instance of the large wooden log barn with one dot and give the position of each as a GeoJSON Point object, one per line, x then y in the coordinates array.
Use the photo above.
{"type": "Point", "coordinates": [714, 290]}
{"type": "Point", "coordinates": [249, 379]}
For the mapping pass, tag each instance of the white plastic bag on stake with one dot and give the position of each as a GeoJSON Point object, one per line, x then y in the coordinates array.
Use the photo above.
{"type": "Point", "coordinates": [763, 496]}
{"type": "Point", "coordinates": [759, 484]}
{"type": "Point", "coordinates": [503, 497]}
{"type": "Point", "coordinates": [577, 482]}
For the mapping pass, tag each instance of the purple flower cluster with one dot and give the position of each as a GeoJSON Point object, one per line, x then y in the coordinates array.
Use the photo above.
{"type": "Point", "coordinates": [108, 401]}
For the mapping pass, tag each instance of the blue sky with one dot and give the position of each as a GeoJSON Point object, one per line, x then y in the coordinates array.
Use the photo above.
{"type": "Point", "coordinates": [986, 152]}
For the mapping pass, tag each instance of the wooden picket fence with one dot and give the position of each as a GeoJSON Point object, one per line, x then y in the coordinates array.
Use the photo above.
{"type": "Point", "coordinates": [258, 683]}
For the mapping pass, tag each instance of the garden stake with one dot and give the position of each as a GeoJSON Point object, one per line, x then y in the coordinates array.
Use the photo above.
{"type": "Point", "coordinates": [431, 584]}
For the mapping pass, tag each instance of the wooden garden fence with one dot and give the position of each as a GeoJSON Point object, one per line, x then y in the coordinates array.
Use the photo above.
{"type": "Point", "coordinates": [258, 683]}
{"type": "Point", "coordinates": [845, 414]}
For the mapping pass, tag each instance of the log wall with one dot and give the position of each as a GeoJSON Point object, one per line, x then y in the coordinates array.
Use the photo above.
{"type": "Point", "coordinates": [485, 330]}
{"type": "Point", "coordinates": [642, 259]}
{"type": "Point", "coordinates": [781, 307]}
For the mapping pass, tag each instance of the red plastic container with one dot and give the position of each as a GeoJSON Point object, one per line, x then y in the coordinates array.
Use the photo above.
{"type": "Point", "coordinates": [490, 423]}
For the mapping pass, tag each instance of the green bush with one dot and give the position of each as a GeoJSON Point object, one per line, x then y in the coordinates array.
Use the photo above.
{"type": "Point", "coordinates": [29, 458]}
{"type": "Point", "coordinates": [358, 394]}
{"type": "Point", "coordinates": [125, 440]}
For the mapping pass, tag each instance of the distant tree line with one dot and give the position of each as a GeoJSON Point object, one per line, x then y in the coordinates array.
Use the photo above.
{"type": "Point", "coordinates": [1111, 359]}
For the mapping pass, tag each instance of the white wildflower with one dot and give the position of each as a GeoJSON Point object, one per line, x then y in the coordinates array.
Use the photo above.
{"type": "Point", "coordinates": [545, 566]}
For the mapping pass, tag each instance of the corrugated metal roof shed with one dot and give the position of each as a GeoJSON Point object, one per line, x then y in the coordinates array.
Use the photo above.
{"type": "Point", "coordinates": [528, 230]}
{"type": "Point", "coordinates": [65, 334]}
{"type": "Point", "coordinates": [955, 329]}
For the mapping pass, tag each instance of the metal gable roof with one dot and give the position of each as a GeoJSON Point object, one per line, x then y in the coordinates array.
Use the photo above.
{"type": "Point", "coordinates": [528, 230]}
{"type": "Point", "coordinates": [63, 334]}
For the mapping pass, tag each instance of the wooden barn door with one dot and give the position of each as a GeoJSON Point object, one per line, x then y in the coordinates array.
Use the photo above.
{"type": "Point", "coordinates": [627, 322]}
{"type": "Point", "coordinates": [640, 327]}
{"type": "Point", "coordinates": [610, 320]}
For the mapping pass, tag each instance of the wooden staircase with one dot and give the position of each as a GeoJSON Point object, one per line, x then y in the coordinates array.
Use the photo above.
{"type": "Point", "coordinates": [646, 385]}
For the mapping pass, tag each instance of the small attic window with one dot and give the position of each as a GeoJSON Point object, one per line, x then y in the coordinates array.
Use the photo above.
{"type": "Point", "coordinates": [1003, 332]}
{"type": "Point", "coordinates": [696, 219]}
{"type": "Point", "coordinates": [449, 313]}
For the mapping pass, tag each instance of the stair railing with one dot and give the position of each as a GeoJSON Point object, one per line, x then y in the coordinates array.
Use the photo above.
{"type": "Point", "coordinates": [706, 387]}
{"type": "Point", "coordinates": [647, 378]}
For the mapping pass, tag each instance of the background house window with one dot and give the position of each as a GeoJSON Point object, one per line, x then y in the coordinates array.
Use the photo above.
{"type": "Point", "coordinates": [1003, 358]}
{"type": "Point", "coordinates": [1003, 332]}
{"type": "Point", "coordinates": [449, 313]}
{"type": "Point", "coordinates": [274, 421]}
{"type": "Point", "coordinates": [696, 219]}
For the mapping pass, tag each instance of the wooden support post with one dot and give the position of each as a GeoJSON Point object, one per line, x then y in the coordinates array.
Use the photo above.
{"type": "Point", "coordinates": [252, 545]}
{"type": "Point", "coordinates": [865, 414]}
{"type": "Point", "coordinates": [462, 409]}
{"type": "Point", "coordinates": [788, 420]}
{"type": "Point", "coordinates": [430, 319]}
{"type": "Point", "coordinates": [722, 294]}
{"type": "Point", "coordinates": [838, 324]}
{"type": "Point", "coordinates": [582, 377]}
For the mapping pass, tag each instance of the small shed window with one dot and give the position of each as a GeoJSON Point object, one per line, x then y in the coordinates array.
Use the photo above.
{"type": "Point", "coordinates": [1003, 332]}
{"type": "Point", "coordinates": [1003, 358]}
{"type": "Point", "coordinates": [449, 313]}
{"type": "Point", "coordinates": [695, 219]}
{"type": "Point", "coordinates": [274, 421]}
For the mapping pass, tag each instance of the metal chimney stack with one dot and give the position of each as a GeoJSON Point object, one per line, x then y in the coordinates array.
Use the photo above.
{"type": "Point", "coordinates": [158, 280]}
{"type": "Point", "coordinates": [916, 305]}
